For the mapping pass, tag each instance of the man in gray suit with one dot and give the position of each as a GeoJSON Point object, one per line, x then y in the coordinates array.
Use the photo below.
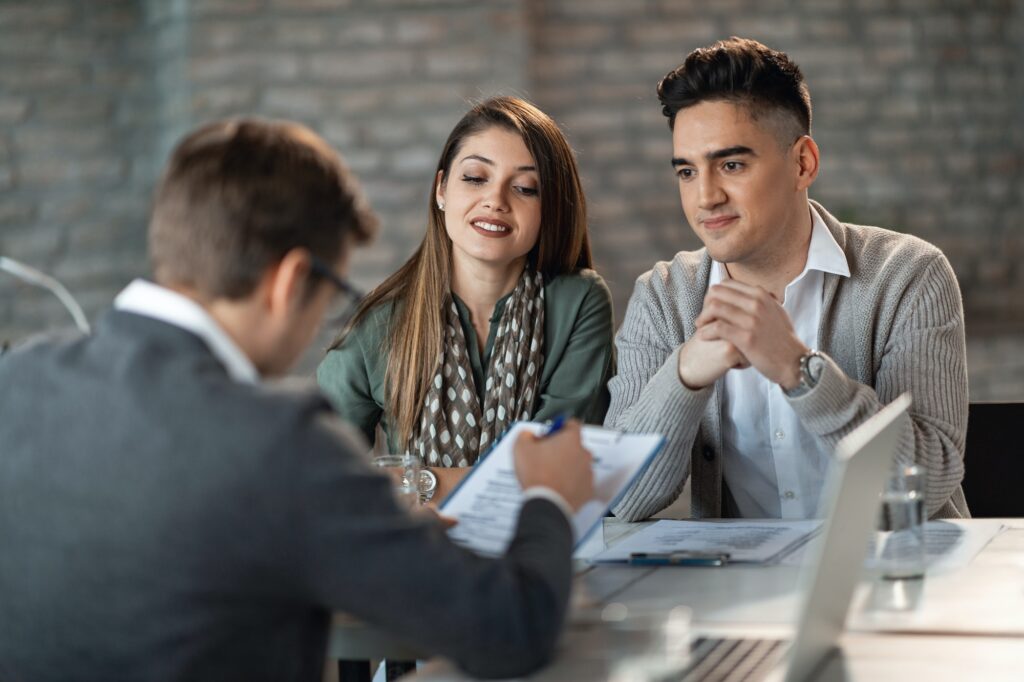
{"type": "Point", "coordinates": [167, 514]}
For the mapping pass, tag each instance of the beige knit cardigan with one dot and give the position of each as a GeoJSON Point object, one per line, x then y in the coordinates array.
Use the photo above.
{"type": "Point", "coordinates": [896, 324]}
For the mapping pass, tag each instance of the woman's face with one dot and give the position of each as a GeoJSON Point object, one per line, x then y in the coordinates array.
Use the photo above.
{"type": "Point", "coordinates": [491, 199]}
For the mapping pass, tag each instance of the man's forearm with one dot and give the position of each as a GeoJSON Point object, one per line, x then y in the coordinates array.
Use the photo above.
{"type": "Point", "coordinates": [667, 407]}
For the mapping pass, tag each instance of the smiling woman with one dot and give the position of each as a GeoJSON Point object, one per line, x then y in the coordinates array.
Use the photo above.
{"type": "Point", "coordinates": [497, 316]}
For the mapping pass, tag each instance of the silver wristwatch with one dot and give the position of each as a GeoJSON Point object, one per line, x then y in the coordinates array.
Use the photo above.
{"type": "Point", "coordinates": [427, 485]}
{"type": "Point", "coordinates": [811, 364]}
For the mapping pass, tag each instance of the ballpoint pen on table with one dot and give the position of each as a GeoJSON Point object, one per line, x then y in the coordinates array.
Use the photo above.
{"type": "Point", "coordinates": [678, 558]}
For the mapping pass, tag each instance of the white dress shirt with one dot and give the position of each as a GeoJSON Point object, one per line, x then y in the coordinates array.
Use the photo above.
{"type": "Point", "coordinates": [152, 300]}
{"type": "Point", "coordinates": [774, 468]}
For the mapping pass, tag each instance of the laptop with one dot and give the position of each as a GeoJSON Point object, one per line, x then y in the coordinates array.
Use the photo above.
{"type": "Point", "coordinates": [863, 461]}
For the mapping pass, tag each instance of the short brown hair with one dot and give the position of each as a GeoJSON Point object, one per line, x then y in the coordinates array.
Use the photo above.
{"type": "Point", "coordinates": [237, 195]}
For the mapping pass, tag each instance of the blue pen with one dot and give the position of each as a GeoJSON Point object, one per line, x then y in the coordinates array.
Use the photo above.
{"type": "Point", "coordinates": [556, 425]}
{"type": "Point", "coordinates": [678, 559]}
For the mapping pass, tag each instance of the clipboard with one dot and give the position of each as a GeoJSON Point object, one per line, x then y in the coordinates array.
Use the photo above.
{"type": "Point", "coordinates": [487, 501]}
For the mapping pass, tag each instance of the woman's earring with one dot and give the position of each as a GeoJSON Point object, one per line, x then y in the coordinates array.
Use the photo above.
{"type": "Point", "coordinates": [440, 205]}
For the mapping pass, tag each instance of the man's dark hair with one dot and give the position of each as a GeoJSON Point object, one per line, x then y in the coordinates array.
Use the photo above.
{"type": "Point", "coordinates": [744, 72]}
{"type": "Point", "coordinates": [237, 195]}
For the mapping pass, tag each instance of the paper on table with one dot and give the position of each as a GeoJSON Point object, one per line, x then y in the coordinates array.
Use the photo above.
{"type": "Point", "coordinates": [981, 600]}
{"type": "Point", "coordinates": [746, 541]}
{"type": "Point", "coordinates": [487, 501]}
{"type": "Point", "coordinates": [948, 544]}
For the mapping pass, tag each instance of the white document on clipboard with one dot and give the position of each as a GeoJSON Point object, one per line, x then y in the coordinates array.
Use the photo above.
{"type": "Point", "coordinates": [487, 501]}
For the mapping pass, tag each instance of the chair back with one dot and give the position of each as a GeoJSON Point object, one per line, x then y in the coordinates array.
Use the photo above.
{"type": "Point", "coordinates": [994, 460]}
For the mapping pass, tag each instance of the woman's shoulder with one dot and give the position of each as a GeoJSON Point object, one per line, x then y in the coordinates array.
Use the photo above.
{"type": "Point", "coordinates": [579, 284]}
{"type": "Point", "coordinates": [580, 294]}
{"type": "Point", "coordinates": [359, 350]}
{"type": "Point", "coordinates": [372, 327]}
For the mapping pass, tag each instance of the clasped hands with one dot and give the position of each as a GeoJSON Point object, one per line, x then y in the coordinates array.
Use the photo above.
{"type": "Point", "coordinates": [740, 326]}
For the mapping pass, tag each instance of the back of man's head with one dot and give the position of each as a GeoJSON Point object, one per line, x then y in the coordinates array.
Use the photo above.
{"type": "Point", "coordinates": [746, 73]}
{"type": "Point", "coordinates": [237, 195]}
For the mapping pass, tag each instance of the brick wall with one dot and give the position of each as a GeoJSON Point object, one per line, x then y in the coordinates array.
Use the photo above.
{"type": "Point", "coordinates": [917, 112]}
{"type": "Point", "coordinates": [918, 106]}
{"type": "Point", "coordinates": [384, 81]}
{"type": "Point", "coordinates": [74, 150]}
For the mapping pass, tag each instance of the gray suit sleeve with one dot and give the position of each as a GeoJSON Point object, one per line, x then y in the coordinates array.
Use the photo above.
{"type": "Point", "coordinates": [361, 554]}
{"type": "Point", "coordinates": [647, 396]}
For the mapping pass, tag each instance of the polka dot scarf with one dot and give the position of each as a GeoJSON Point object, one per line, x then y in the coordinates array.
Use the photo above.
{"type": "Point", "coordinates": [453, 429]}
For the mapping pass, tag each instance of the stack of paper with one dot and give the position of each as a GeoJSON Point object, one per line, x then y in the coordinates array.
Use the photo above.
{"type": "Point", "coordinates": [487, 501]}
{"type": "Point", "coordinates": [743, 541]}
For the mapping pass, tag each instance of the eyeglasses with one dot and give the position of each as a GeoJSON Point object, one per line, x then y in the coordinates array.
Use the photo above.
{"type": "Point", "coordinates": [346, 302]}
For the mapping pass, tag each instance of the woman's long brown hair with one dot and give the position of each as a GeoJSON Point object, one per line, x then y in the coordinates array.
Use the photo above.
{"type": "Point", "coordinates": [421, 288]}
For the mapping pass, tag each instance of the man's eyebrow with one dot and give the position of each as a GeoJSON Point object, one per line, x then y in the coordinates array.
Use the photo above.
{"type": "Point", "coordinates": [484, 159]}
{"type": "Point", "coordinates": [737, 150]}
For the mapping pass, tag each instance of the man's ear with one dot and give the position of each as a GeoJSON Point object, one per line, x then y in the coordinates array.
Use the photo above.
{"type": "Point", "coordinates": [808, 159]}
{"type": "Point", "coordinates": [287, 281]}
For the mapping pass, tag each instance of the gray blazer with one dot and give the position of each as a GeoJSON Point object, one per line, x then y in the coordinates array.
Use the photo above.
{"type": "Point", "coordinates": [160, 521]}
{"type": "Point", "coordinates": [896, 324]}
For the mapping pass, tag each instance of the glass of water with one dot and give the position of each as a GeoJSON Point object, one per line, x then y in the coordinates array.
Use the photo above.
{"type": "Point", "coordinates": [405, 472]}
{"type": "Point", "coordinates": [900, 542]}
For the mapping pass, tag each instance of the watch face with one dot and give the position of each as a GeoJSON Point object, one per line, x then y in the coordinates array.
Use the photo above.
{"type": "Point", "coordinates": [815, 364]}
{"type": "Point", "coordinates": [428, 484]}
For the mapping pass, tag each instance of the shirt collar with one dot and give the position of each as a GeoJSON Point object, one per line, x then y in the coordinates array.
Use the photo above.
{"type": "Point", "coordinates": [824, 254]}
{"type": "Point", "coordinates": [160, 303]}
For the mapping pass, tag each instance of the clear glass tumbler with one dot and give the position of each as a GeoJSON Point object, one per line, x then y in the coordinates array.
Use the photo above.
{"type": "Point", "coordinates": [900, 540]}
{"type": "Point", "coordinates": [405, 471]}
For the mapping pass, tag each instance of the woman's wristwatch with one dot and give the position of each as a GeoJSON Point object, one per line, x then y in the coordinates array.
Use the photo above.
{"type": "Point", "coordinates": [811, 364]}
{"type": "Point", "coordinates": [427, 486]}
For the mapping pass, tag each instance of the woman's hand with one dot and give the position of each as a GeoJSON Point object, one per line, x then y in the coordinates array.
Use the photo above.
{"type": "Point", "coordinates": [447, 479]}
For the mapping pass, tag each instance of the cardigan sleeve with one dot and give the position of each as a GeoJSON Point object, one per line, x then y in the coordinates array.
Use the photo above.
{"type": "Point", "coordinates": [647, 396]}
{"type": "Point", "coordinates": [925, 354]}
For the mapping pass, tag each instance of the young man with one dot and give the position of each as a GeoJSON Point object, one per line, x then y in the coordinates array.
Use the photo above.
{"type": "Point", "coordinates": [756, 354]}
{"type": "Point", "coordinates": [167, 514]}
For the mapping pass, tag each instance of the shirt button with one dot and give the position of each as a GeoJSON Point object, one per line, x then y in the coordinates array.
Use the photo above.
{"type": "Point", "coordinates": [789, 495]}
{"type": "Point", "coordinates": [780, 434]}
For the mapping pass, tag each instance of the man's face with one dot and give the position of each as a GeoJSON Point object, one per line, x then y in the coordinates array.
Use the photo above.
{"type": "Point", "coordinates": [738, 186]}
{"type": "Point", "coordinates": [304, 319]}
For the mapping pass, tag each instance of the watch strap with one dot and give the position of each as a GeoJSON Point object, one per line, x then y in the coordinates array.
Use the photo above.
{"type": "Point", "coordinates": [811, 364]}
{"type": "Point", "coordinates": [427, 485]}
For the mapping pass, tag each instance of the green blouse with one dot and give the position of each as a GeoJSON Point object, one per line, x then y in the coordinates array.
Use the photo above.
{"type": "Point", "coordinates": [578, 357]}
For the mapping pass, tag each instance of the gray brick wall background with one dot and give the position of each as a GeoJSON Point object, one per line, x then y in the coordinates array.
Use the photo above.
{"type": "Point", "coordinates": [918, 111]}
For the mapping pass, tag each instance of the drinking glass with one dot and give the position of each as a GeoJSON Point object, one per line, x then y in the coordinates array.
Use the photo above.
{"type": "Point", "coordinates": [900, 542]}
{"type": "Point", "coordinates": [405, 471]}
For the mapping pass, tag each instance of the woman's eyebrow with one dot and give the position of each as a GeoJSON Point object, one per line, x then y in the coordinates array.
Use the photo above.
{"type": "Point", "coordinates": [484, 159]}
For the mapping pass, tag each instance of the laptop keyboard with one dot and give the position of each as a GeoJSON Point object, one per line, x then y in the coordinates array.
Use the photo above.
{"type": "Point", "coordinates": [733, 660]}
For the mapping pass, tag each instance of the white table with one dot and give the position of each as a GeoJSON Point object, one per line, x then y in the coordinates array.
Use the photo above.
{"type": "Point", "coordinates": [963, 625]}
